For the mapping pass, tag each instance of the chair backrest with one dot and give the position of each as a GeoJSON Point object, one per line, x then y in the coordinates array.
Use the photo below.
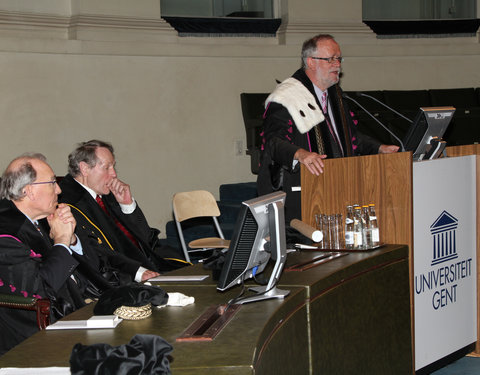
{"type": "Point", "coordinates": [407, 99]}
{"type": "Point", "coordinates": [458, 98]}
{"type": "Point", "coordinates": [253, 107]}
{"type": "Point", "coordinates": [197, 203]}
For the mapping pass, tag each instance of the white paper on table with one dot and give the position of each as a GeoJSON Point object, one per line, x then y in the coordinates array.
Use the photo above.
{"type": "Point", "coordinates": [35, 370]}
{"type": "Point", "coordinates": [166, 278]}
{"type": "Point", "coordinates": [95, 322]}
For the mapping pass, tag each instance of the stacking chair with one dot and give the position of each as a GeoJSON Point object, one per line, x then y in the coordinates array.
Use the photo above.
{"type": "Point", "coordinates": [197, 204]}
{"type": "Point", "coordinates": [40, 306]}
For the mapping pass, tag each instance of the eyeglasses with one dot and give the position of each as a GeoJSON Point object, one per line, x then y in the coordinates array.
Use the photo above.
{"type": "Point", "coordinates": [46, 182]}
{"type": "Point", "coordinates": [330, 60]}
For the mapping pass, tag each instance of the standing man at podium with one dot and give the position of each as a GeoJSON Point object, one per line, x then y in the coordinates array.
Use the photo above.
{"type": "Point", "coordinates": [306, 121]}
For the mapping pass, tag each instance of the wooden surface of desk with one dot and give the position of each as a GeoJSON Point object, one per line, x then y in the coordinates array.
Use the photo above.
{"type": "Point", "coordinates": [351, 314]}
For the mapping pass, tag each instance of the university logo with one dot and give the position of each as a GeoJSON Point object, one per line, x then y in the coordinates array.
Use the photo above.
{"type": "Point", "coordinates": [444, 235]}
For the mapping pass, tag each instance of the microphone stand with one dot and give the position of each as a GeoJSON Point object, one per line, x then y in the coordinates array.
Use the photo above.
{"type": "Point", "coordinates": [402, 147]}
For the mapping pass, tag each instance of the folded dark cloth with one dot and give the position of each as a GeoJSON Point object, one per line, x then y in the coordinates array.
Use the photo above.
{"type": "Point", "coordinates": [132, 295]}
{"type": "Point", "coordinates": [144, 354]}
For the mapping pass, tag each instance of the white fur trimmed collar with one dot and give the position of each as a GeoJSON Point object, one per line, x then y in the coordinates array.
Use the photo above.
{"type": "Point", "coordinates": [299, 102]}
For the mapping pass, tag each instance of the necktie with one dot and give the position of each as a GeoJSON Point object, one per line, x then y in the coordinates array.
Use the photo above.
{"type": "Point", "coordinates": [117, 223]}
{"type": "Point", "coordinates": [324, 103]}
{"type": "Point", "coordinates": [37, 227]}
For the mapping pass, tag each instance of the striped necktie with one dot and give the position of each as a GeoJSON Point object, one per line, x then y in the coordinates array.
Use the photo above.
{"type": "Point", "coordinates": [118, 224]}
{"type": "Point", "coordinates": [324, 103]}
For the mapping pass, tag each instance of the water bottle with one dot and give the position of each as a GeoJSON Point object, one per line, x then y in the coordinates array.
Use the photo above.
{"type": "Point", "coordinates": [349, 228]}
{"type": "Point", "coordinates": [367, 239]}
{"type": "Point", "coordinates": [373, 224]}
{"type": "Point", "coordinates": [357, 229]}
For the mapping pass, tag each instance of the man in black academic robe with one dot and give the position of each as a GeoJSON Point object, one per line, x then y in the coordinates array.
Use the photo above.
{"type": "Point", "coordinates": [299, 128]}
{"type": "Point", "coordinates": [108, 215]}
{"type": "Point", "coordinates": [35, 263]}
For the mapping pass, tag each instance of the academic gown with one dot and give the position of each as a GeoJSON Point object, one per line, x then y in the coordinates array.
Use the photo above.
{"type": "Point", "coordinates": [31, 266]}
{"type": "Point", "coordinates": [108, 239]}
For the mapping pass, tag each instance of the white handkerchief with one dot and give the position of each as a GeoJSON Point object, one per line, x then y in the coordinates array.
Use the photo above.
{"type": "Point", "coordinates": [178, 299]}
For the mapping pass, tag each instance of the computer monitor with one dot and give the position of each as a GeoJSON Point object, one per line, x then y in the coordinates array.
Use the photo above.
{"type": "Point", "coordinates": [424, 137]}
{"type": "Point", "coordinates": [258, 236]}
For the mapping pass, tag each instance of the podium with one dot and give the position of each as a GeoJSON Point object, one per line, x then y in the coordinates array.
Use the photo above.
{"type": "Point", "coordinates": [431, 206]}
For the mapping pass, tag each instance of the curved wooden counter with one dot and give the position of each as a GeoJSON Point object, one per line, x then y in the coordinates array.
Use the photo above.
{"type": "Point", "coordinates": [350, 315]}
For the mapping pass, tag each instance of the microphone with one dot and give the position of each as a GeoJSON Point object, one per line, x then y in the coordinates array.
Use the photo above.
{"type": "Point", "coordinates": [308, 231]}
{"type": "Point", "coordinates": [382, 103]}
{"type": "Point", "coordinates": [402, 147]}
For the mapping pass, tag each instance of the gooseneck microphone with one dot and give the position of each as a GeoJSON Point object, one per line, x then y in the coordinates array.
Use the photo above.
{"type": "Point", "coordinates": [358, 93]}
{"type": "Point", "coordinates": [402, 147]}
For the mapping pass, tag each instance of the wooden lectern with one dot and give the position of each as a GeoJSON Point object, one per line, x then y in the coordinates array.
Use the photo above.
{"type": "Point", "coordinates": [384, 180]}
{"type": "Point", "coordinates": [387, 181]}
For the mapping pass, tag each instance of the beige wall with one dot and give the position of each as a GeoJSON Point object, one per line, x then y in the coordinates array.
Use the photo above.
{"type": "Point", "coordinates": [171, 106]}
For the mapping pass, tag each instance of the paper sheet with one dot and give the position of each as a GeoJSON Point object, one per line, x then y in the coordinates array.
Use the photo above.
{"type": "Point", "coordinates": [95, 322]}
{"type": "Point", "coordinates": [166, 278]}
{"type": "Point", "coordinates": [35, 370]}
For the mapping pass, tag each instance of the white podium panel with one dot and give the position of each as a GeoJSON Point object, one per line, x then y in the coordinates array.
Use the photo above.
{"type": "Point", "coordinates": [444, 260]}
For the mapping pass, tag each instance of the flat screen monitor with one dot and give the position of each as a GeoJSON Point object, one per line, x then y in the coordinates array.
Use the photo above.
{"type": "Point", "coordinates": [259, 236]}
{"type": "Point", "coordinates": [424, 137]}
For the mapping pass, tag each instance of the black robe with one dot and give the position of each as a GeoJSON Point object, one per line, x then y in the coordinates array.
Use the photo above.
{"type": "Point", "coordinates": [31, 266]}
{"type": "Point", "coordinates": [101, 232]}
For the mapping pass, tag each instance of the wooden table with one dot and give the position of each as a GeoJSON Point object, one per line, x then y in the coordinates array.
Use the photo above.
{"type": "Point", "coordinates": [350, 315]}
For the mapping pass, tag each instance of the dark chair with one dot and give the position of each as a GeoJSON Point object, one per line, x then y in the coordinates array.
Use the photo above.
{"type": "Point", "coordinates": [40, 306]}
{"type": "Point", "coordinates": [464, 128]}
{"type": "Point", "coordinates": [458, 98]}
{"type": "Point", "coordinates": [402, 100]}
{"type": "Point", "coordinates": [253, 107]}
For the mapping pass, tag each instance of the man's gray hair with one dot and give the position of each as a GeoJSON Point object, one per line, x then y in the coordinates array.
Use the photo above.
{"type": "Point", "coordinates": [15, 179]}
{"type": "Point", "coordinates": [309, 47]}
{"type": "Point", "coordinates": [85, 152]}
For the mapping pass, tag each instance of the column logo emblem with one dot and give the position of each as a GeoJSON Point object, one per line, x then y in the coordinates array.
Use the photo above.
{"type": "Point", "coordinates": [444, 236]}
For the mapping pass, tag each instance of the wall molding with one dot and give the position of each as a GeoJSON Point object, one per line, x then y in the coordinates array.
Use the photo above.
{"type": "Point", "coordinates": [294, 33]}
{"type": "Point", "coordinates": [85, 27]}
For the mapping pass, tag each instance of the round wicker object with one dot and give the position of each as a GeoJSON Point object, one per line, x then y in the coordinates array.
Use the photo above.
{"type": "Point", "coordinates": [134, 313]}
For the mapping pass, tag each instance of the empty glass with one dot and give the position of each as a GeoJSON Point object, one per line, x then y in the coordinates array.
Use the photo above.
{"type": "Point", "coordinates": [333, 232]}
{"type": "Point", "coordinates": [328, 231]}
{"type": "Point", "coordinates": [319, 224]}
{"type": "Point", "coordinates": [338, 232]}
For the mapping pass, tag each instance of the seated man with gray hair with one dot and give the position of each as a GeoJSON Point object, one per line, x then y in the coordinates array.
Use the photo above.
{"type": "Point", "coordinates": [36, 244]}
{"type": "Point", "coordinates": [108, 215]}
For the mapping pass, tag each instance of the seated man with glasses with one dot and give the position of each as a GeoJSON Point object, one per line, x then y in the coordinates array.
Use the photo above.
{"type": "Point", "coordinates": [35, 256]}
{"type": "Point", "coordinates": [307, 121]}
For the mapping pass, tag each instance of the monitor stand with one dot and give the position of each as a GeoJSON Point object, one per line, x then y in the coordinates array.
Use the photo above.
{"type": "Point", "coordinates": [437, 146]}
{"type": "Point", "coordinates": [279, 255]}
